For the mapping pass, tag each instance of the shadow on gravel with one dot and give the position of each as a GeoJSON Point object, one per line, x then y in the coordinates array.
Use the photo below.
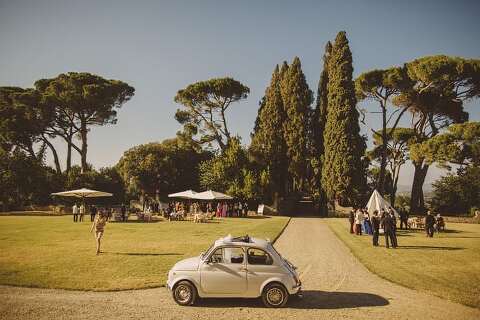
{"type": "Point", "coordinates": [430, 248]}
{"type": "Point", "coordinates": [312, 299]}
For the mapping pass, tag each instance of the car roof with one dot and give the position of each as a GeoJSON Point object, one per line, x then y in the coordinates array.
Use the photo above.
{"type": "Point", "coordinates": [243, 241]}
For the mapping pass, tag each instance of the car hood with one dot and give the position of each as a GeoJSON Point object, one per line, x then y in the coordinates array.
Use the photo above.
{"type": "Point", "coordinates": [189, 264]}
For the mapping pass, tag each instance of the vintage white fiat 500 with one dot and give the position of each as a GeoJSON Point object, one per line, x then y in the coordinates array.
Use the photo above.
{"type": "Point", "coordinates": [241, 267]}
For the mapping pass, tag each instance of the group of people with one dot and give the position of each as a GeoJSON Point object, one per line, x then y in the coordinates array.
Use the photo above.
{"type": "Point", "coordinates": [219, 209]}
{"type": "Point", "coordinates": [78, 212]}
{"type": "Point", "coordinates": [385, 219]}
{"type": "Point", "coordinates": [361, 221]}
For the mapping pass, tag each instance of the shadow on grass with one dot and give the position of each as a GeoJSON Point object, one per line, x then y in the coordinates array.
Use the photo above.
{"type": "Point", "coordinates": [136, 221]}
{"type": "Point", "coordinates": [255, 217]}
{"type": "Point", "coordinates": [142, 254]}
{"type": "Point", "coordinates": [312, 299]}
{"type": "Point", "coordinates": [430, 248]}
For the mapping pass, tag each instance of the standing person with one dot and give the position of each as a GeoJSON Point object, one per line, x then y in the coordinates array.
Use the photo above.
{"type": "Point", "coordinates": [93, 212]}
{"type": "Point", "coordinates": [109, 213]}
{"type": "Point", "coordinates": [82, 211]}
{"type": "Point", "coordinates": [219, 210]}
{"type": "Point", "coordinates": [392, 214]}
{"type": "Point", "coordinates": [240, 209]}
{"type": "Point", "coordinates": [388, 230]}
{"type": "Point", "coordinates": [403, 218]}
{"type": "Point", "coordinates": [123, 212]}
{"type": "Point", "coordinates": [394, 231]}
{"type": "Point", "coordinates": [429, 224]}
{"type": "Point", "coordinates": [99, 226]}
{"type": "Point", "coordinates": [351, 219]}
{"type": "Point", "coordinates": [245, 209]}
{"type": "Point", "coordinates": [367, 225]}
{"type": "Point", "coordinates": [224, 210]}
{"type": "Point", "coordinates": [75, 212]}
{"type": "Point", "coordinates": [358, 222]}
{"type": "Point", "coordinates": [375, 227]}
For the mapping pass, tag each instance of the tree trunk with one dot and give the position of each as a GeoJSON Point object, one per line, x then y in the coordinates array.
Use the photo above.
{"type": "Point", "coordinates": [417, 201]}
{"type": "Point", "coordinates": [55, 155]}
{"type": "Point", "coordinates": [69, 151]}
{"type": "Point", "coordinates": [393, 195]}
{"type": "Point", "coordinates": [83, 133]}
{"type": "Point", "coordinates": [383, 161]}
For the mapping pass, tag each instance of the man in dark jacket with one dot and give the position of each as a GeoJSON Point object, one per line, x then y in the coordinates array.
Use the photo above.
{"type": "Point", "coordinates": [93, 213]}
{"type": "Point", "coordinates": [351, 219]}
{"type": "Point", "coordinates": [388, 228]}
{"type": "Point", "coordinates": [429, 224]}
{"type": "Point", "coordinates": [376, 227]}
{"type": "Point", "coordinates": [403, 218]}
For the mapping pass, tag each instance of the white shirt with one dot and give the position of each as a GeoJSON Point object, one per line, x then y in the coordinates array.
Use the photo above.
{"type": "Point", "coordinates": [359, 217]}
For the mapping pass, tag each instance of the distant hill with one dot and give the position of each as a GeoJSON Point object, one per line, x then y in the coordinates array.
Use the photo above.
{"type": "Point", "coordinates": [405, 190]}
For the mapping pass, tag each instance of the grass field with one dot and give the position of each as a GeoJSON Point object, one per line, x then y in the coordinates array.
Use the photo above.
{"type": "Point", "coordinates": [447, 265]}
{"type": "Point", "coordinates": [54, 252]}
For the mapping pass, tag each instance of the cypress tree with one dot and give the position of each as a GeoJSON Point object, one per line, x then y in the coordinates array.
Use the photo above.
{"type": "Point", "coordinates": [268, 144]}
{"type": "Point", "coordinates": [297, 98]}
{"type": "Point", "coordinates": [343, 176]}
{"type": "Point", "coordinates": [319, 119]}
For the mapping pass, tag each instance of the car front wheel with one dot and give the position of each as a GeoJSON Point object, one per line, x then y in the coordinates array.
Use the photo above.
{"type": "Point", "coordinates": [184, 293]}
{"type": "Point", "coordinates": [274, 296]}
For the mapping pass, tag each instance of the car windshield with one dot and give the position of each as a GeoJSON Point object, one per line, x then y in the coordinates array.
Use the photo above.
{"type": "Point", "coordinates": [203, 255]}
{"type": "Point", "coordinates": [274, 250]}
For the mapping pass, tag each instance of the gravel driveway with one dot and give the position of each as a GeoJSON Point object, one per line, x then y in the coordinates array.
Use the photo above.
{"type": "Point", "coordinates": [336, 286]}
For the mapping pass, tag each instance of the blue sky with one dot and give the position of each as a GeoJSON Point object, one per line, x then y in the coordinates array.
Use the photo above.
{"type": "Point", "coordinates": [160, 47]}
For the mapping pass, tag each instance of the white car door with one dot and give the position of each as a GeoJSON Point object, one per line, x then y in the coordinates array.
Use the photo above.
{"type": "Point", "coordinates": [225, 272]}
{"type": "Point", "coordinates": [260, 268]}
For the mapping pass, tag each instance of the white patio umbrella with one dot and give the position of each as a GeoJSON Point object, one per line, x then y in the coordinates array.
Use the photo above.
{"type": "Point", "coordinates": [187, 194]}
{"type": "Point", "coordinates": [83, 193]}
{"type": "Point", "coordinates": [212, 195]}
{"type": "Point", "coordinates": [377, 202]}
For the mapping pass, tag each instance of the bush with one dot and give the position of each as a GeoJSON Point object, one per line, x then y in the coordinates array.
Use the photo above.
{"type": "Point", "coordinates": [458, 193]}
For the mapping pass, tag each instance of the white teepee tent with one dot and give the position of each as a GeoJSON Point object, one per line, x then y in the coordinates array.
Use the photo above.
{"type": "Point", "coordinates": [377, 202]}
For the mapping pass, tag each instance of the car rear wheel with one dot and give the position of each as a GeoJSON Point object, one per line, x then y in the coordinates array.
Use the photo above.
{"type": "Point", "coordinates": [184, 293]}
{"type": "Point", "coordinates": [274, 295]}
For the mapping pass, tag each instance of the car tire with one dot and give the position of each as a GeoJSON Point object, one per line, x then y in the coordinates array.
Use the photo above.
{"type": "Point", "coordinates": [274, 295]}
{"type": "Point", "coordinates": [184, 293]}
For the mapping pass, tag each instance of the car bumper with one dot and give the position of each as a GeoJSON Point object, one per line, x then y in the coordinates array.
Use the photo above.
{"type": "Point", "coordinates": [169, 286]}
{"type": "Point", "coordinates": [296, 290]}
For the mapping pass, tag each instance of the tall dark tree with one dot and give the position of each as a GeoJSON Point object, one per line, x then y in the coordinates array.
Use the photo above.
{"type": "Point", "coordinates": [318, 123]}
{"type": "Point", "coordinates": [268, 142]}
{"type": "Point", "coordinates": [297, 98]}
{"type": "Point", "coordinates": [206, 103]}
{"type": "Point", "coordinates": [343, 172]}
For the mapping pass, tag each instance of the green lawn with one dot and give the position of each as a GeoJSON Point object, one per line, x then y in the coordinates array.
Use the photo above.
{"type": "Point", "coordinates": [447, 265]}
{"type": "Point", "coordinates": [54, 252]}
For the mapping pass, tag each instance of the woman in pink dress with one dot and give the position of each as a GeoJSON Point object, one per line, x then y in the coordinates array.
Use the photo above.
{"type": "Point", "coordinates": [224, 210]}
{"type": "Point", "coordinates": [219, 210]}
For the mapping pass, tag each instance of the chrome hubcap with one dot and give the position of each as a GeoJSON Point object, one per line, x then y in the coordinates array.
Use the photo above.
{"type": "Point", "coordinates": [183, 293]}
{"type": "Point", "coordinates": [275, 296]}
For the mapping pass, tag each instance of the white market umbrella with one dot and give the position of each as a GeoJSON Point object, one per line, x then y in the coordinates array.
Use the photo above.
{"type": "Point", "coordinates": [377, 202]}
{"type": "Point", "coordinates": [187, 194]}
{"type": "Point", "coordinates": [83, 193]}
{"type": "Point", "coordinates": [212, 195]}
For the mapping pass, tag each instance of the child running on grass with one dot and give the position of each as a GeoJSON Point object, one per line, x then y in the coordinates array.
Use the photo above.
{"type": "Point", "coordinates": [99, 226]}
